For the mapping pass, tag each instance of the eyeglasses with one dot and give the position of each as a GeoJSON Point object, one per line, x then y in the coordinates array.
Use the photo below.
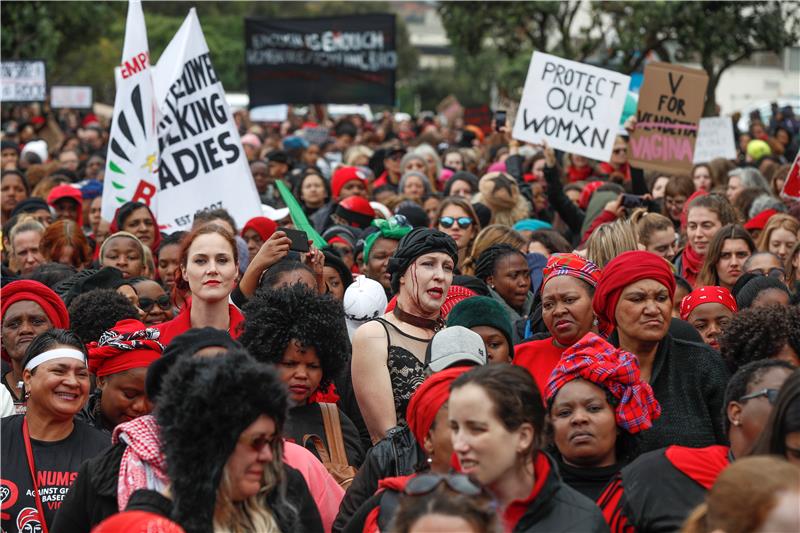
{"type": "Point", "coordinates": [771, 394]}
{"type": "Point", "coordinates": [427, 483]}
{"type": "Point", "coordinates": [620, 150]}
{"type": "Point", "coordinates": [257, 443]}
{"type": "Point", "coordinates": [447, 222]}
{"type": "Point", "coordinates": [146, 304]}
{"type": "Point", "coordinates": [774, 272]}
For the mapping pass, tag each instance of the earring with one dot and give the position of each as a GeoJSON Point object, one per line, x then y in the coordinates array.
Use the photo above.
{"type": "Point", "coordinates": [430, 461]}
{"type": "Point", "coordinates": [595, 322]}
{"type": "Point", "coordinates": [737, 423]}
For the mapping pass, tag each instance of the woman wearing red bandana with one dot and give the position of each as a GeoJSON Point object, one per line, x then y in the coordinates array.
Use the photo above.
{"type": "Point", "coordinates": [597, 402]}
{"type": "Point", "coordinates": [659, 490]}
{"type": "Point", "coordinates": [119, 360]}
{"type": "Point", "coordinates": [567, 289]}
{"type": "Point", "coordinates": [709, 310]}
{"type": "Point", "coordinates": [496, 421]}
{"type": "Point", "coordinates": [635, 296]}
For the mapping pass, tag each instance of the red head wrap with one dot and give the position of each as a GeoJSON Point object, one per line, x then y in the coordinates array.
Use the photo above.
{"type": "Point", "coordinates": [129, 344]}
{"type": "Point", "coordinates": [707, 295]}
{"type": "Point", "coordinates": [571, 265]}
{"type": "Point", "coordinates": [627, 268]}
{"type": "Point", "coordinates": [261, 225]}
{"type": "Point", "coordinates": [614, 370]}
{"type": "Point", "coordinates": [28, 290]}
{"type": "Point", "coordinates": [428, 399]}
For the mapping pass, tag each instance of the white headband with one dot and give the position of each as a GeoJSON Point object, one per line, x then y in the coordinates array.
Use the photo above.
{"type": "Point", "coordinates": [57, 353]}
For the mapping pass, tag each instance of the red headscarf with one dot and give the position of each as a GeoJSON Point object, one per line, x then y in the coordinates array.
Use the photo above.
{"type": "Point", "coordinates": [627, 268]}
{"type": "Point", "coordinates": [614, 370]}
{"type": "Point", "coordinates": [707, 295]}
{"type": "Point", "coordinates": [429, 397]}
{"type": "Point", "coordinates": [129, 344]}
{"type": "Point", "coordinates": [67, 191]}
{"type": "Point", "coordinates": [261, 225]}
{"type": "Point", "coordinates": [28, 290]}
{"type": "Point", "coordinates": [587, 192]}
{"type": "Point", "coordinates": [571, 265]}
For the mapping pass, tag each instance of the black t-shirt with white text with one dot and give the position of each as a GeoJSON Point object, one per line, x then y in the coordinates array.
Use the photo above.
{"type": "Point", "coordinates": [57, 466]}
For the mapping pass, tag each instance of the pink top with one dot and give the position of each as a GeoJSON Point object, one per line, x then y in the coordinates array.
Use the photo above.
{"type": "Point", "coordinates": [326, 492]}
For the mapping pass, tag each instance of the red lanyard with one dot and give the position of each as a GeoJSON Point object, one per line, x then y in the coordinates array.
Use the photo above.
{"type": "Point", "coordinates": [29, 452]}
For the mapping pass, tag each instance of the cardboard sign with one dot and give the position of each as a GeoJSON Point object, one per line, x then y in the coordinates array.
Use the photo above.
{"type": "Point", "coordinates": [71, 96]}
{"type": "Point", "coordinates": [480, 116]}
{"type": "Point", "coordinates": [202, 164]}
{"type": "Point", "coordinates": [132, 159]}
{"type": "Point", "coordinates": [573, 106]}
{"type": "Point", "coordinates": [670, 106]}
{"type": "Point", "coordinates": [714, 139]}
{"type": "Point", "coordinates": [23, 81]}
{"type": "Point", "coordinates": [791, 187]}
{"type": "Point", "coordinates": [343, 60]}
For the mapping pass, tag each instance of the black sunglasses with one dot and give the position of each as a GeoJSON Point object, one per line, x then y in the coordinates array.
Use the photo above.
{"type": "Point", "coordinates": [146, 304]}
{"type": "Point", "coordinates": [774, 272]}
{"type": "Point", "coordinates": [447, 222]}
{"type": "Point", "coordinates": [427, 483]}
{"type": "Point", "coordinates": [771, 394]}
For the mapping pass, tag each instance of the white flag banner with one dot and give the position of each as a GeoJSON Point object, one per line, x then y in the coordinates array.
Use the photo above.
{"type": "Point", "coordinates": [132, 159]}
{"type": "Point", "coordinates": [202, 164]}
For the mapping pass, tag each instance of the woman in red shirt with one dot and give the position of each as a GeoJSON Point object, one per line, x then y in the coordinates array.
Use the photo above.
{"type": "Point", "coordinates": [567, 288]}
{"type": "Point", "coordinates": [209, 268]}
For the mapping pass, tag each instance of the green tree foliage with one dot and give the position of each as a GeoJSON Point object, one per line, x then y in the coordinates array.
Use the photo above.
{"type": "Point", "coordinates": [82, 41]}
{"type": "Point", "coordinates": [622, 35]}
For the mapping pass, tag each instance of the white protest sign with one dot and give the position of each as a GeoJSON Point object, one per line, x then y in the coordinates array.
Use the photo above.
{"type": "Point", "coordinates": [714, 139]}
{"type": "Point", "coordinates": [71, 96]}
{"type": "Point", "coordinates": [23, 81]}
{"type": "Point", "coordinates": [132, 160]}
{"type": "Point", "coordinates": [202, 164]}
{"type": "Point", "coordinates": [269, 113]}
{"type": "Point", "coordinates": [573, 106]}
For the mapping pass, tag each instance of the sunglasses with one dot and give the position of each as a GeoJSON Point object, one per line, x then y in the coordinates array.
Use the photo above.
{"type": "Point", "coordinates": [620, 150]}
{"type": "Point", "coordinates": [774, 272]}
{"type": "Point", "coordinates": [447, 222]}
{"type": "Point", "coordinates": [146, 304]}
{"type": "Point", "coordinates": [427, 483]}
{"type": "Point", "coordinates": [771, 394]}
{"type": "Point", "coordinates": [258, 443]}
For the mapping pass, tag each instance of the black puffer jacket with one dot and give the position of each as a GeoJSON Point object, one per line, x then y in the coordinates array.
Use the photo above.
{"type": "Point", "coordinates": [397, 454]}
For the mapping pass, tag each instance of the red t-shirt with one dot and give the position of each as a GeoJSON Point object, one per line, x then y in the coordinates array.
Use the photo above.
{"type": "Point", "coordinates": [539, 358]}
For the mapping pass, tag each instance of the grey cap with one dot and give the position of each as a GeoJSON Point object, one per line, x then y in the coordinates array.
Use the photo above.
{"type": "Point", "coordinates": [455, 345]}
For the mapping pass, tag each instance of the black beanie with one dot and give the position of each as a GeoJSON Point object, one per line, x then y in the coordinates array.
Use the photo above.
{"type": "Point", "coordinates": [30, 205]}
{"type": "Point", "coordinates": [187, 344]}
{"type": "Point", "coordinates": [482, 311]}
{"type": "Point", "coordinates": [203, 408]}
{"type": "Point", "coordinates": [417, 242]}
{"type": "Point", "coordinates": [756, 286]}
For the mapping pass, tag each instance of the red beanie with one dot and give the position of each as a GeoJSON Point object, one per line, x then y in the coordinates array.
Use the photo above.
{"type": "Point", "coordinates": [342, 176]}
{"type": "Point", "coordinates": [137, 522]}
{"type": "Point", "coordinates": [261, 225]}
{"type": "Point", "coordinates": [760, 220]}
{"type": "Point", "coordinates": [428, 399]}
{"type": "Point", "coordinates": [623, 270]}
{"type": "Point", "coordinates": [28, 290]}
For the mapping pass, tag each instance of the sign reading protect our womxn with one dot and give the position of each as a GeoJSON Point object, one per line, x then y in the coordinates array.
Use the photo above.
{"type": "Point", "coordinates": [573, 106]}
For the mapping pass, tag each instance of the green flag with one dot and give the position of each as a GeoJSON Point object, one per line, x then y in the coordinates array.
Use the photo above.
{"type": "Point", "coordinates": [299, 218]}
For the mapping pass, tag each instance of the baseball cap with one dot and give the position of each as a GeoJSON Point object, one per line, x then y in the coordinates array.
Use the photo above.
{"type": "Point", "coordinates": [455, 345]}
{"type": "Point", "coordinates": [363, 300]}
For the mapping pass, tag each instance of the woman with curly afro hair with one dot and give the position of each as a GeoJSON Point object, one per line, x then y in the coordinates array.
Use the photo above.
{"type": "Point", "coordinates": [771, 332]}
{"type": "Point", "coordinates": [305, 336]}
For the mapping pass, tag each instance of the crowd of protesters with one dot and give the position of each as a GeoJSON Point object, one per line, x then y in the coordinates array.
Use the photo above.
{"type": "Point", "coordinates": [496, 336]}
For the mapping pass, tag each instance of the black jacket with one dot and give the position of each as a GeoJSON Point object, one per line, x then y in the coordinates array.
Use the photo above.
{"type": "Point", "coordinates": [397, 454]}
{"type": "Point", "coordinates": [559, 508]}
{"type": "Point", "coordinates": [91, 414]}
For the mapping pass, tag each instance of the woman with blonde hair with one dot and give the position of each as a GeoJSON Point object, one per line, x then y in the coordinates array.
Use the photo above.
{"type": "Point", "coordinates": [656, 233]}
{"type": "Point", "coordinates": [357, 156]}
{"type": "Point", "coordinates": [500, 193]}
{"type": "Point", "coordinates": [609, 240]}
{"type": "Point", "coordinates": [779, 235]}
{"type": "Point", "coordinates": [491, 234]}
{"type": "Point", "coordinates": [754, 494]}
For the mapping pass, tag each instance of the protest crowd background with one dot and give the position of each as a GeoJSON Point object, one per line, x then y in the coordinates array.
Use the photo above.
{"type": "Point", "coordinates": [581, 313]}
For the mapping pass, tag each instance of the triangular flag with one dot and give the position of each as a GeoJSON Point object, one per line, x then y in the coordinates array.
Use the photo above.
{"type": "Point", "coordinates": [299, 218]}
{"type": "Point", "coordinates": [132, 160]}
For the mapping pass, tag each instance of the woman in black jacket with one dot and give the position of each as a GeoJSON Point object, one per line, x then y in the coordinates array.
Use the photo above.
{"type": "Point", "coordinates": [496, 420]}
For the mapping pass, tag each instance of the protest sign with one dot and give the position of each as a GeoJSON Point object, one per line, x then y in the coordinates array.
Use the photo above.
{"type": "Point", "coordinates": [269, 113]}
{"type": "Point", "coordinates": [791, 187]}
{"type": "Point", "coordinates": [714, 139]}
{"type": "Point", "coordinates": [132, 159]}
{"type": "Point", "coordinates": [670, 105]}
{"type": "Point", "coordinates": [202, 164]}
{"type": "Point", "coordinates": [23, 81]}
{"type": "Point", "coordinates": [480, 116]}
{"type": "Point", "coordinates": [71, 96]}
{"type": "Point", "coordinates": [317, 135]}
{"type": "Point", "coordinates": [573, 106]}
{"type": "Point", "coordinates": [341, 60]}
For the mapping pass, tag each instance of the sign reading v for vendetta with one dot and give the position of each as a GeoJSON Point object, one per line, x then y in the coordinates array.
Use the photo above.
{"type": "Point", "coordinates": [670, 105]}
{"type": "Point", "coordinates": [327, 60]}
{"type": "Point", "coordinates": [574, 107]}
{"type": "Point", "coordinates": [202, 164]}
